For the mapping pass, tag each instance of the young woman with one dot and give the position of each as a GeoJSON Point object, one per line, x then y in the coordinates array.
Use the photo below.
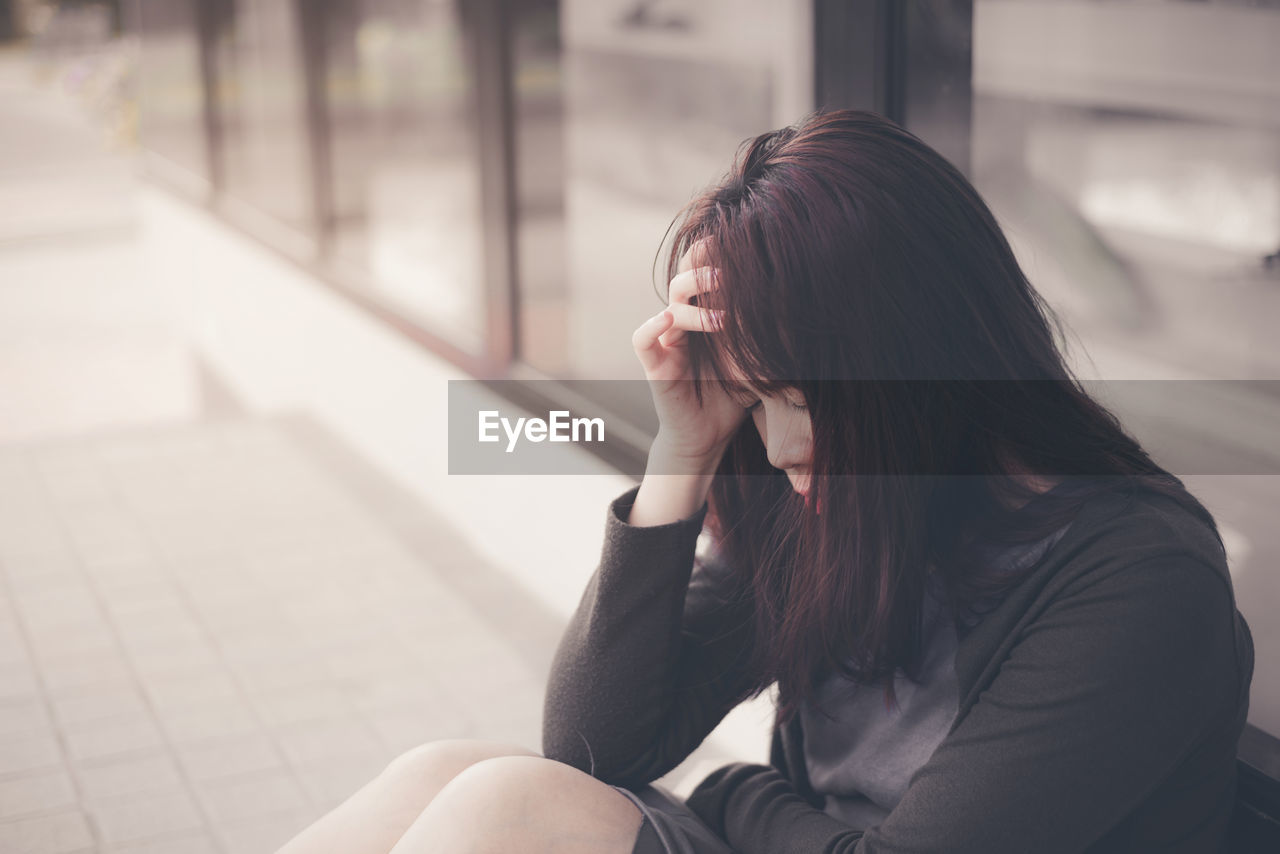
{"type": "Point", "coordinates": [993, 622]}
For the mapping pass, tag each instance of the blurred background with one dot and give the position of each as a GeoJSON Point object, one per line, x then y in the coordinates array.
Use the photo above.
{"type": "Point", "coordinates": [246, 244]}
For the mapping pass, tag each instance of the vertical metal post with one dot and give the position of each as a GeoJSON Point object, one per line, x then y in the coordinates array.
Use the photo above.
{"type": "Point", "coordinates": [909, 60]}
{"type": "Point", "coordinates": [844, 45]}
{"type": "Point", "coordinates": [937, 63]}
{"type": "Point", "coordinates": [489, 32]}
{"type": "Point", "coordinates": [890, 55]}
{"type": "Point", "coordinates": [212, 17]}
{"type": "Point", "coordinates": [314, 34]}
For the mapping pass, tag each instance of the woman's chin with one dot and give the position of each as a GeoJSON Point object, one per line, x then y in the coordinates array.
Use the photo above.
{"type": "Point", "coordinates": [810, 502]}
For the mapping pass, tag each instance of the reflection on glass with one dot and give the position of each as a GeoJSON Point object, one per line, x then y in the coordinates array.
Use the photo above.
{"type": "Point", "coordinates": [262, 102]}
{"type": "Point", "coordinates": [405, 158]}
{"type": "Point", "coordinates": [1133, 152]}
{"type": "Point", "coordinates": [170, 95]}
{"type": "Point", "coordinates": [624, 110]}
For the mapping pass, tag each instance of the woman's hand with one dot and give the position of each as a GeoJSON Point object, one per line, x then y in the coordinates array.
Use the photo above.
{"type": "Point", "coordinates": [687, 432]}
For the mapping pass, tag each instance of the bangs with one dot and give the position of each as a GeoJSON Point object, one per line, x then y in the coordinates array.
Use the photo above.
{"type": "Point", "coordinates": [751, 352]}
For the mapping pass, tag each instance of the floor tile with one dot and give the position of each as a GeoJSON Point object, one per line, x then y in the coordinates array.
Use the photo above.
{"type": "Point", "coordinates": [184, 844]}
{"type": "Point", "coordinates": [202, 724]}
{"type": "Point", "coordinates": [243, 798]}
{"type": "Point", "coordinates": [29, 752]}
{"type": "Point", "coordinates": [24, 716]}
{"type": "Point", "coordinates": [36, 792]}
{"type": "Point", "coordinates": [97, 702]}
{"type": "Point", "coordinates": [327, 740]}
{"type": "Point", "coordinates": [129, 818]}
{"type": "Point", "coordinates": [266, 834]}
{"type": "Point", "coordinates": [130, 775]}
{"type": "Point", "coordinates": [182, 692]}
{"type": "Point", "coordinates": [60, 833]}
{"type": "Point", "coordinates": [229, 757]}
{"type": "Point", "coordinates": [114, 736]}
{"type": "Point", "coordinates": [330, 783]}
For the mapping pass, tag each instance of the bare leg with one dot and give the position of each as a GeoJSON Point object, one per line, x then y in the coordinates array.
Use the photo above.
{"type": "Point", "coordinates": [373, 819]}
{"type": "Point", "coordinates": [527, 804]}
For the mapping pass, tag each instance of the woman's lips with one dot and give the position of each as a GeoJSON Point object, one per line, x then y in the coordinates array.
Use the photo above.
{"type": "Point", "coordinates": [802, 488]}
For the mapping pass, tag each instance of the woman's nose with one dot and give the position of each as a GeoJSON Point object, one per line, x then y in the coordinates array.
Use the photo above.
{"type": "Point", "coordinates": [778, 459]}
{"type": "Point", "coordinates": [789, 455]}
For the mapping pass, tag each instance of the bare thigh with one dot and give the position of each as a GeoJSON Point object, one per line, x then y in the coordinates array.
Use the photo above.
{"type": "Point", "coordinates": [375, 817]}
{"type": "Point", "coordinates": [527, 804]}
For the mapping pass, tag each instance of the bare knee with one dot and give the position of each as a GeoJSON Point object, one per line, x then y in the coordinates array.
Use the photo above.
{"type": "Point", "coordinates": [533, 798]}
{"type": "Point", "coordinates": [438, 762]}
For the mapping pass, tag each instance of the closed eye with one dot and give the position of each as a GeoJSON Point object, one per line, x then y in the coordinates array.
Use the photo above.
{"type": "Point", "coordinates": [798, 407]}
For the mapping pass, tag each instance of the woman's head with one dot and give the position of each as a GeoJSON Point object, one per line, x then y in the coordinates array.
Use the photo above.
{"type": "Point", "coordinates": [856, 266]}
{"type": "Point", "coordinates": [849, 249]}
{"type": "Point", "coordinates": [862, 277]}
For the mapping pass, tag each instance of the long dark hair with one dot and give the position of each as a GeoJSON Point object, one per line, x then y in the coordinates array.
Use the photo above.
{"type": "Point", "coordinates": [860, 267]}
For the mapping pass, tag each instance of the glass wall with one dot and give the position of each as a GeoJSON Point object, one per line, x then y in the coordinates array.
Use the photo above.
{"type": "Point", "coordinates": [170, 87]}
{"type": "Point", "coordinates": [1132, 150]}
{"type": "Point", "coordinates": [404, 145]}
{"type": "Point", "coordinates": [623, 112]}
{"type": "Point", "coordinates": [262, 111]}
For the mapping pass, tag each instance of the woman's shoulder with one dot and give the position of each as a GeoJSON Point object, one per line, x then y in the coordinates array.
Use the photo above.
{"type": "Point", "coordinates": [1139, 526]}
{"type": "Point", "coordinates": [1152, 568]}
{"type": "Point", "coordinates": [1137, 571]}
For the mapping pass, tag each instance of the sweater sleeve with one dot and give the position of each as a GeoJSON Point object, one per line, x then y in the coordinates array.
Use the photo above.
{"type": "Point", "coordinates": [1101, 697]}
{"type": "Point", "coordinates": [653, 658]}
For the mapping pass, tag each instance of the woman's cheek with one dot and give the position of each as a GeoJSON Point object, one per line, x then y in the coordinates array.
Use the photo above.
{"type": "Point", "coordinates": [757, 416]}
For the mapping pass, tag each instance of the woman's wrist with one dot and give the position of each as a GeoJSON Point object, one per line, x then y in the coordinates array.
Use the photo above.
{"type": "Point", "coordinates": [666, 457]}
{"type": "Point", "coordinates": [675, 486]}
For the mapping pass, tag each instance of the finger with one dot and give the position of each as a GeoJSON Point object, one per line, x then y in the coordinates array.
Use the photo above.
{"type": "Point", "coordinates": [645, 339]}
{"type": "Point", "coordinates": [690, 318]}
{"type": "Point", "coordinates": [691, 283]}
{"type": "Point", "coordinates": [697, 255]}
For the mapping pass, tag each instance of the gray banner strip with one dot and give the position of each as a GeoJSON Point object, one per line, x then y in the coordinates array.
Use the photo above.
{"type": "Point", "coordinates": [1190, 427]}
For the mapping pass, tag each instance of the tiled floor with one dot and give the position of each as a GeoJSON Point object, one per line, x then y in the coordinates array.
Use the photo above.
{"type": "Point", "coordinates": [209, 634]}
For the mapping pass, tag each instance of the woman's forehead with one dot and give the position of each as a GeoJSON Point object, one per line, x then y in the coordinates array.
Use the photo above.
{"type": "Point", "coordinates": [735, 376]}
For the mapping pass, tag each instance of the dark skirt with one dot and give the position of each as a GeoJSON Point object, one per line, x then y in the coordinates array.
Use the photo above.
{"type": "Point", "coordinates": [669, 827]}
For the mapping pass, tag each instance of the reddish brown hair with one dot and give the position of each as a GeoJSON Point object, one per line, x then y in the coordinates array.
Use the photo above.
{"type": "Point", "coordinates": [860, 267]}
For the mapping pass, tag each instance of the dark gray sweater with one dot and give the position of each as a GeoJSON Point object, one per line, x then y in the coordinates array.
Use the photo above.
{"type": "Point", "coordinates": [861, 754]}
{"type": "Point", "coordinates": [1100, 703]}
